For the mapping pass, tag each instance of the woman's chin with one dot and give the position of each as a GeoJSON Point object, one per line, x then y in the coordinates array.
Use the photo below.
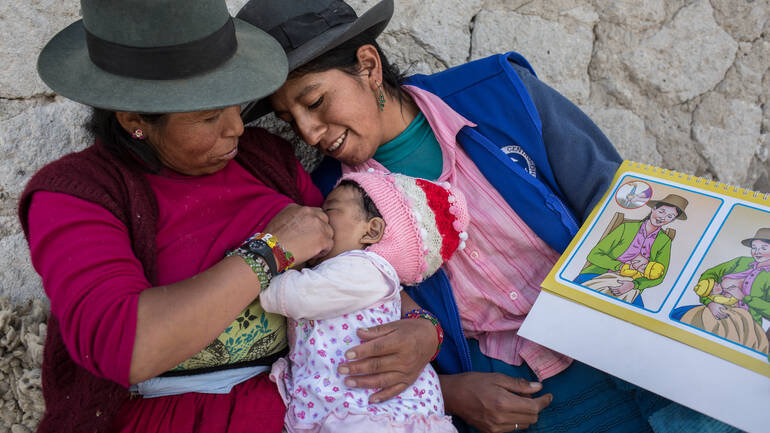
{"type": "Point", "coordinates": [347, 160]}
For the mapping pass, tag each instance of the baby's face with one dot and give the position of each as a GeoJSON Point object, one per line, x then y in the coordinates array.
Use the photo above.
{"type": "Point", "coordinates": [344, 206]}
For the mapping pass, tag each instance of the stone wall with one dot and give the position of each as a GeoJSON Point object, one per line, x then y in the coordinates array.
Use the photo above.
{"type": "Point", "coordinates": [678, 83]}
{"type": "Point", "coordinates": [682, 84]}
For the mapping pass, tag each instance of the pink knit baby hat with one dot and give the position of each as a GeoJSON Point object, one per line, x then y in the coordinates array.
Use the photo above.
{"type": "Point", "coordinates": [425, 221]}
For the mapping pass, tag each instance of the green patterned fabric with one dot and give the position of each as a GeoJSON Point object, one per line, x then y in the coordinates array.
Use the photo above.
{"type": "Point", "coordinates": [254, 334]}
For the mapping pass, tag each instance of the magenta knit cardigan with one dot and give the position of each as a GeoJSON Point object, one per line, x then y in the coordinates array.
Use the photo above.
{"type": "Point", "coordinates": [76, 400]}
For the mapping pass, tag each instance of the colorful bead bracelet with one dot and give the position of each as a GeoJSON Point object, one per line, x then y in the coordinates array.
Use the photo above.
{"type": "Point", "coordinates": [285, 258]}
{"type": "Point", "coordinates": [420, 313]}
{"type": "Point", "coordinates": [260, 252]}
{"type": "Point", "coordinates": [258, 264]}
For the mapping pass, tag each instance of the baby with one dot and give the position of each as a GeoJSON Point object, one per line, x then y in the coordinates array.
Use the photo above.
{"type": "Point", "coordinates": [389, 229]}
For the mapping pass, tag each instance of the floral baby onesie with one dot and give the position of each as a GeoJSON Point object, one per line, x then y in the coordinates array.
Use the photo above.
{"type": "Point", "coordinates": [325, 309]}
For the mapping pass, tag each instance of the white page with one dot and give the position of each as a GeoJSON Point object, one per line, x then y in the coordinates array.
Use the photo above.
{"type": "Point", "coordinates": [739, 397]}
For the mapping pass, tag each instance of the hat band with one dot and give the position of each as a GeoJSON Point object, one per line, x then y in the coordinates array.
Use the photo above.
{"type": "Point", "coordinates": [164, 63]}
{"type": "Point", "coordinates": [294, 32]}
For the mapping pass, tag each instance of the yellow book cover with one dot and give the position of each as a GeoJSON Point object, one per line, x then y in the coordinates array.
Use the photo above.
{"type": "Point", "coordinates": [680, 255]}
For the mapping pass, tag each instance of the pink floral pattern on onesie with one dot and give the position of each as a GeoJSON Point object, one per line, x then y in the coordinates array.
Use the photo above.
{"type": "Point", "coordinates": [314, 391]}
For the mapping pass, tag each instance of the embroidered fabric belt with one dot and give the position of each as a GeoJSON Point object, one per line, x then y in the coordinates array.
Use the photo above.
{"type": "Point", "coordinates": [265, 361]}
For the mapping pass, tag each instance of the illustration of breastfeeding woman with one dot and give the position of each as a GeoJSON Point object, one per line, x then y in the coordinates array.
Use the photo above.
{"type": "Point", "coordinates": [635, 255]}
{"type": "Point", "coordinates": [735, 296]}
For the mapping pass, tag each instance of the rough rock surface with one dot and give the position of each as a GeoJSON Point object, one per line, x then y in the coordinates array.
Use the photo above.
{"type": "Point", "coordinates": [565, 63]}
{"type": "Point", "coordinates": [682, 84]}
{"type": "Point", "coordinates": [692, 42]}
{"type": "Point", "coordinates": [22, 334]}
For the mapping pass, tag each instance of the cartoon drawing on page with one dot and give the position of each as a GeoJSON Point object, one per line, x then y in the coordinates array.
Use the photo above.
{"type": "Point", "coordinates": [730, 298]}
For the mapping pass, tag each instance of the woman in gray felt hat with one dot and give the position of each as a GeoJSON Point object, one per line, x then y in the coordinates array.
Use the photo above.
{"type": "Point", "coordinates": [145, 241]}
{"type": "Point", "coordinates": [532, 166]}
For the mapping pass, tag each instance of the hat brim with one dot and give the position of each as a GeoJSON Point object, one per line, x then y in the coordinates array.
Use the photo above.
{"type": "Point", "coordinates": [374, 19]}
{"type": "Point", "coordinates": [747, 242]}
{"type": "Point", "coordinates": [682, 216]}
{"type": "Point", "coordinates": [257, 68]}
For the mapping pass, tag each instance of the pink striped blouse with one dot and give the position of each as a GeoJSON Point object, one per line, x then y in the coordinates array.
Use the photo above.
{"type": "Point", "coordinates": [497, 277]}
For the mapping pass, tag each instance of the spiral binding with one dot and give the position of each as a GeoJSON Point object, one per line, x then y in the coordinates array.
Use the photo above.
{"type": "Point", "coordinates": [664, 172]}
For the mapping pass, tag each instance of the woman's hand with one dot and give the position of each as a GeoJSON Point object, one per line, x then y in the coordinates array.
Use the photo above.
{"type": "Point", "coordinates": [391, 358]}
{"type": "Point", "coordinates": [493, 402]}
{"type": "Point", "coordinates": [718, 310]}
{"type": "Point", "coordinates": [303, 231]}
{"type": "Point", "coordinates": [623, 288]}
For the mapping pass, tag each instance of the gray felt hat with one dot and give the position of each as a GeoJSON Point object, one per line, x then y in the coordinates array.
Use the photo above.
{"type": "Point", "coordinates": [309, 28]}
{"type": "Point", "coordinates": [763, 234]}
{"type": "Point", "coordinates": [161, 57]}
{"type": "Point", "coordinates": [674, 200]}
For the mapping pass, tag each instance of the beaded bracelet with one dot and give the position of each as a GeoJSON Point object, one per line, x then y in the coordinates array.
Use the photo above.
{"type": "Point", "coordinates": [257, 263]}
{"type": "Point", "coordinates": [260, 252]}
{"type": "Point", "coordinates": [420, 313]}
{"type": "Point", "coordinates": [285, 258]}
{"type": "Point", "coordinates": [266, 246]}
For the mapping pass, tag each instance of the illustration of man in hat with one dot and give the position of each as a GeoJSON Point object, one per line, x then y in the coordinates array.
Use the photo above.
{"type": "Point", "coordinates": [635, 255]}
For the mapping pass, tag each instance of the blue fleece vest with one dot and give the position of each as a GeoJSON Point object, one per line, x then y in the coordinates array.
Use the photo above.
{"type": "Point", "coordinates": [507, 147]}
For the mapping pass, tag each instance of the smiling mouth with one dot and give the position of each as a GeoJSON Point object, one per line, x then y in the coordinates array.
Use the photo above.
{"type": "Point", "coordinates": [336, 145]}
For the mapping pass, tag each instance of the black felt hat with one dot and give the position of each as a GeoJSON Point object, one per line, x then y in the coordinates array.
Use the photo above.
{"type": "Point", "coordinates": [309, 28]}
{"type": "Point", "coordinates": [161, 57]}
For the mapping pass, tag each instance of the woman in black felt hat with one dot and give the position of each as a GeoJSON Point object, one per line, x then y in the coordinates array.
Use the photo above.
{"type": "Point", "coordinates": [145, 241]}
{"type": "Point", "coordinates": [532, 166]}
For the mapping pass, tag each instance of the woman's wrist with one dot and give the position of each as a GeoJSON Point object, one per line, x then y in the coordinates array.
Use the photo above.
{"type": "Point", "coordinates": [258, 265]}
{"type": "Point", "coordinates": [284, 259]}
{"type": "Point", "coordinates": [449, 390]}
{"type": "Point", "coordinates": [265, 257]}
{"type": "Point", "coordinates": [420, 313]}
{"type": "Point", "coordinates": [266, 247]}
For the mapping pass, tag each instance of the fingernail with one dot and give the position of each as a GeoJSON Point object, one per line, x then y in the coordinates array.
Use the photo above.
{"type": "Point", "coordinates": [534, 385]}
{"type": "Point", "coordinates": [350, 354]}
{"type": "Point", "coordinates": [343, 370]}
{"type": "Point", "coordinates": [350, 382]}
{"type": "Point", "coordinates": [363, 329]}
{"type": "Point", "coordinates": [374, 400]}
